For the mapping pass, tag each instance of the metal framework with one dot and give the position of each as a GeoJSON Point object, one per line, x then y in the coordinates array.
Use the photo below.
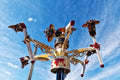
{"type": "Point", "coordinates": [59, 56]}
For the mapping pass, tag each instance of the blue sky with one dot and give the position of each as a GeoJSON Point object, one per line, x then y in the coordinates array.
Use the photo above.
{"type": "Point", "coordinates": [38, 14]}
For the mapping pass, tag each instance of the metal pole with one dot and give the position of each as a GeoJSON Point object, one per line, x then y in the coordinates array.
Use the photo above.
{"type": "Point", "coordinates": [32, 64]}
{"type": "Point", "coordinates": [28, 45]}
{"type": "Point", "coordinates": [84, 66]}
{"type": "Point", "coordinates": [99, 58]}
{"type": "Point", "coordinates": [60, 75]}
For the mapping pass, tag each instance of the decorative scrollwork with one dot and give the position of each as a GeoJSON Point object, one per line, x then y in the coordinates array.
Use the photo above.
{"type": "Point", "coordinates": [76, 61]}
{"type": "Point", "coordinates": [44, 51]}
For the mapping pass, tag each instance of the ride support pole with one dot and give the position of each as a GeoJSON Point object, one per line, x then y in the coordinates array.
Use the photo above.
{"type": "Point", "coordinates": [60, 75]}
{"type": "Point", "coordinates": [94, 40]}
{"type": "Point", "coordinates": [28, 46]}
{"type": "Point", "coordinates": [84, 66]}
{"type": "Point", "coordinates": [99, 58]}
{"type": "Point", "coordinates": [32, 64]}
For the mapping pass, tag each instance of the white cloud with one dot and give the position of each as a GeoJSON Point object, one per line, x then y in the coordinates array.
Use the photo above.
{"type": "Point", "coordinates": [13, 66]}
{"type": "Point", "coordinates": [107, 72]}
{"type": "Point", "coordinates": [8, 73]}
{"type": "Point", "coordinates": [32, 19]}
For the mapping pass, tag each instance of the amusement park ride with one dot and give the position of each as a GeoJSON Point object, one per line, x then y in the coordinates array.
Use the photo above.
{"type": "Point", "coordinates": [59, 56]}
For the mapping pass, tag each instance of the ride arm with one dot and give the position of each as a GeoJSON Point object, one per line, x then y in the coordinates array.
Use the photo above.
{"type": "Point", "coordinates": [43, 57]}
{"type": "Point", "coordinates": [76, 61]}
{"type": "Point", "coordinates": [65, 42]}
{"type": "Point", "coordinates": [22, 27]}
{"type": "Point", "coordinates": [79, 52]}
{"type": "Point", "coordinates": [46, 47]}
{"type": "Point", "coordinates": [68, 30]}
{"type": "Point", "coordinates": [84, 66]}
{"type": "Point", "coordinates": [92, 23]}
{"type": "Point", "coordinates": [32, 64]}
{"type": "Point", "coordinates": [97, 47]}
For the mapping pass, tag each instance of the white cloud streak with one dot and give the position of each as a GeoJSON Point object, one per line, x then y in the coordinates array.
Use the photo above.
{"type": "Point", "coordinates": [12, 65]}
{"type": "Point", "coordinates": [8, 73]}
{"type": "Point", "coordinates": [111, 41]}
{"type": "Point", "coordinates": [107, 72]}
{"type": "Point", "coordinates": [32, 19]}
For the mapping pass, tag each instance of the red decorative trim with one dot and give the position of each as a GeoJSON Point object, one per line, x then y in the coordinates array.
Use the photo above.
{"type": "Point", "coordinates": [23, 25]}
{"type": "Point", "coordinates": [72, 22]}
{"type": "Point", "coordinates": [96, 45]}
{"type": "Point", "coordinates": [32, 61]}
